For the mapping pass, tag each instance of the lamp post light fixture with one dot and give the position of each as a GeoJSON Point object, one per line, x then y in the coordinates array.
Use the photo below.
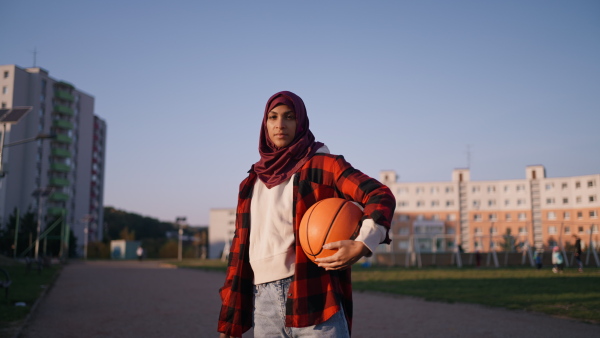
{"type": "Point", "coordinates": [180, 221]}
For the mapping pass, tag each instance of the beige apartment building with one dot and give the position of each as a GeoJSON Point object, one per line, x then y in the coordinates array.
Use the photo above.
{"type": "Point", "coordinates": [69, 168]}
{"type": "Point", "coordinates": [537, 211]}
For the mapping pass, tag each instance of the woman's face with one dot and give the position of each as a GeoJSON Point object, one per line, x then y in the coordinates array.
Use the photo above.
{"type": "Point", "coordinates": [281, 125]}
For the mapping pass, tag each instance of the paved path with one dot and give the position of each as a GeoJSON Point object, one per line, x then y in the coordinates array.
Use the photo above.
{"type": "Point", "coordinates": [133, 299]}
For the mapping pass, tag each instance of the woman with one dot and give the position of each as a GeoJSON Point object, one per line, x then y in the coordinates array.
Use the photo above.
{"type": "Point", "coordinates": [270, 282]}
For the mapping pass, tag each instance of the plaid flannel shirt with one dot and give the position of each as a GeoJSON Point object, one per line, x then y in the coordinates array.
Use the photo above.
{"type": "Point", "coordinates": [315, 294]}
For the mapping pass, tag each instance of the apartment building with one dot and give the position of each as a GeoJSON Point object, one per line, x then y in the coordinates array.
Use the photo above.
{"type": "Point", "coordinates": [221, 231]}
{"type": "Point", "coordinates": [477, 215]}
{"type": "Point", "coordinates": [538, 211]}
{"type": "Point", "coordinates": [69, 168]}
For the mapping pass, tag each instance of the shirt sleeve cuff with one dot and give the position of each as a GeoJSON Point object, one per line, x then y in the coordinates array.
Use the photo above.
{"type": "Point", "coordinates": [371, 235]}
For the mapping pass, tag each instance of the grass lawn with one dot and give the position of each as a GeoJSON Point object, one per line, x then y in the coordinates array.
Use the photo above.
{"type": "Point", "coordinates": [571, 294]}
{"type": "Point", "coordinates": [26, 288]}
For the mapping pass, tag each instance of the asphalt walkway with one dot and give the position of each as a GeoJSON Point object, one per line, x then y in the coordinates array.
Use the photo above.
{"type": "Point", "coordinates": [147, 299]}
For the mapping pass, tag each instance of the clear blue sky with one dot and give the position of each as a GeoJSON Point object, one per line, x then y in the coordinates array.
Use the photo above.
{"type": "Point", "coordinates": [402, 85]}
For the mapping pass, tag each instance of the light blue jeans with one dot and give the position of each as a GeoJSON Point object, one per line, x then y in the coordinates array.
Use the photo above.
{"type": "Point", "coordinates": [269, 315]}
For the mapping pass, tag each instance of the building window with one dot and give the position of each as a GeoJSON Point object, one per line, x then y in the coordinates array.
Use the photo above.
{"type": "Point", "coordinates": [449, 203]}
{"type": "Point", "coordinates": [520, 187]}
{"type": "Point", "coordinates": [402, 203]}
{"type": "Point", "coordinates": [549, 186]}
{"type": "Point", "coordinates": [567, 230]}
{"type": "Point", "coordinates": [520, 201]}
{"type": "Point", "coordinates": [434, 190]}
{"type": "Point", "coordinates": [492, 217]}
{"type": "Point", "coordinates": [418, 190]}
{"type": "Point", "coordinates": [4, 90]}
{"type": "Point", "coordinates": [420, 217]}
{"type": "Point", "coordinates": [491, 188]}
{"type": "Point", "coordinates": [591, 184]}
{"type": "Point", "coordinates": [567, 215]}
{"type": "Point", "coordinates": [592, 198]}
{"type": "Point", "coordinates": [578, 199]}
{"type": "Point", "coordinates": [477, 217]}
{"type": "Point", "coordinates": [449, 190]}
{"type": "Point", "coordinates": [402, 191]}
{"type": "Point", "coordinates": [552, 230]}
{"type": "Point", "coordinates": [435, 217]}
{"type": "Point", "coordinates": [3, 104]}
{"type": "Point", "coordinates": [403, 231]}
{"type": "Point", "coordinates": [565, 200]}
{"type": "Point", "coordinates": [580, 229]}
{"type": "Point", "coordinates": [478, 231]}
{"type": "Point", "coordinates": [475, 188]}
{"type": "Point", "coordinates": [505, 188]}
{"type": "Point", "coordinates": [435, 203]}
{"type": "Point", "coordinates": [506, 202]}
{"type": "Point", "coordinates": [420, 203]}
{"type": "Point", "coordinates": [522, 231]}
{"type": "Point", "coordinates": [593, 214]}
{"type": "Point", "coordinates": [491, 203]}
{"type": "Point", "coordinates": [551, 215]}
{"type": "Point", "coordinates": [6, 74]}
{"type": "Point", "coordinates": [550, 200]}
{"type": "Point", "coordinates": [579, 215]}
{"type": "Point", "coordinates": [451, 217]}
{"type": "Point", "coordinates": [494, 230]}
{"type": "Point", "coordinates": [564, 186]}
{"type": "Point", "coordinates": [404, 217]}
{"type": "Point", "coordinates": [577, 185]}
{"type": "Point", "coordinates": [522, 216]}
{"type": "Point", "coordinates": [507, 217]}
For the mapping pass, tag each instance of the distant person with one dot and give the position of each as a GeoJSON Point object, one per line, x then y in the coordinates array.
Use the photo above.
{"type": "Point", "coordinates": [140, 253]}
{"type": "Point", "coordinates": [578, 253]}
{"type": "Point", "coordinates": [557, 260]}
{"type": "Point", "coordinates": [270, 283]}
{"type": "Point", "coordinates": [538, 259]}
{"type": "Point", "coordinates": [477, 258]}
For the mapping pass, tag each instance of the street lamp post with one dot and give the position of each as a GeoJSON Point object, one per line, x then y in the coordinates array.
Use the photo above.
{"type": "Point", "coordinates": [40, 194]}
{"type": "Point", "coordinates": [180, 221]}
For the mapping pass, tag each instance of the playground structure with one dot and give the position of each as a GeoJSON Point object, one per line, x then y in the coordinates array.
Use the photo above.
{"type": "Point", "coordinates": [42, 238]}
{"type": "Point", "coordinates": [418, 250]}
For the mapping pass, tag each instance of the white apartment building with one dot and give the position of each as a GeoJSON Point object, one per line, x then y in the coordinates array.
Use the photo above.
{"type": "Point", "coordinates": [221, 231]}
{"type": "Point", "coordinates": [538, 210]}
{"type": "Point", "coordinates": [69, 167]}
{"type": "Point", "coordinates": [439, 216]}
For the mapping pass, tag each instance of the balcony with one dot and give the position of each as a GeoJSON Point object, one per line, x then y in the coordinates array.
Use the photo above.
{"type": "Point", "coordinates": [63, 110]}
{"type": "Point", "coordinates": [62, 138]}
{"type": "Point", "coordinates": [58, 197]}
{"type": "Point", "coordinates": [59, 182]}
{"type": "Point", "coordinates": [54, 211]}
{"type": "Point", "coordinates": [64, 124]}
{"type": "Point", "coordinates": [62, 95]}
{"type": "Point", "coordinates": [64, 84]}
{"type": "Point", "coordinates": [59, 152]}
{"type": "Point", "coordinates": [60, 167]}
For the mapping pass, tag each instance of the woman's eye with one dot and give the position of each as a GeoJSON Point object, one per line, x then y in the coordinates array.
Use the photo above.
{"type": "Point", "coordinates": [291, 117]}
{"type": "Point", "coordinates": [272, 117]}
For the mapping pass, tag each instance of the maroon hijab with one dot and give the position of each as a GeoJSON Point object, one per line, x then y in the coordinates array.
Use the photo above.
{"type": "Point", "coordinates": [276, 165]}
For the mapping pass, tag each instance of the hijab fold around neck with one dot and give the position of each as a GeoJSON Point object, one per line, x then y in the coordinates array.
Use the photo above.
{"type": "Point", "coordinates": [276, 165]}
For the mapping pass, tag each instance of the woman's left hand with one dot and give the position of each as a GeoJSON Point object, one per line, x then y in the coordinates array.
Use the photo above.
{"type": "Point", "coordinates": [348, 253]}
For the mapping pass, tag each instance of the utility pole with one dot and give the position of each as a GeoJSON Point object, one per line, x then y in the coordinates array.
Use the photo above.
{"type": "Point", "coordinates": [180, 221]}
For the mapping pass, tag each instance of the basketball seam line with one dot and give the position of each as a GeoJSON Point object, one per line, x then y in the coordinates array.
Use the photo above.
{"type": "Point", "coordinates": [329, 230]}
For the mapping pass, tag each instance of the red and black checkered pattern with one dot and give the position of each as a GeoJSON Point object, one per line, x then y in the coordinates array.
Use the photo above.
{"type": "Point", "coordinates": [315, 294]}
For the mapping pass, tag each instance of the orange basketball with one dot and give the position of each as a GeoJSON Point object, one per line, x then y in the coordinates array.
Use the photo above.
{"type": "Point", "coordinates": [329, 220]}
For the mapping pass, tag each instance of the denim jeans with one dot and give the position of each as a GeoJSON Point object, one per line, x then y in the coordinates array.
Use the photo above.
{"type": "Point", "coordinates": [269, 315]}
